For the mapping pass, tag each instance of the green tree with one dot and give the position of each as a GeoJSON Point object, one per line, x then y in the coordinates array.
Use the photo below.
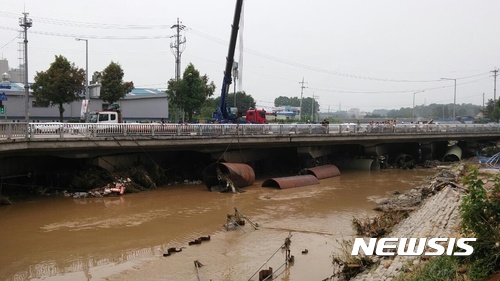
{"type": "Point", "coordinates": [113, 88]}
{"type": "Point", "coordinates": [491, 111]}
{"type": "Point", "coordinates": [480, 210]}
{"type": "Point", "coordinates": [243, 101]}
{"type": "Point", "coordinates": [190, 93]}
{"type": "Point", "coordinates": [62, 83]}
{"type": "Point", "coordinates": [282, 101]}
{"type": "Point", "coordinates": [310, 109]}
{"type": "Point", "coordinates": [307, 105]}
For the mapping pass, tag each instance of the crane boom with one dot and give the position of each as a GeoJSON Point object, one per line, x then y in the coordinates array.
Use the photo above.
{"type": "Point", "coordinates": [222, 114]}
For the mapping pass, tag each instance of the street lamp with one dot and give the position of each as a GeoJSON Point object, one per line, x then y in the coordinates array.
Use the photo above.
{"type": "Point", "coordinates": [413, 116]}
{"type": "Point", "coordinates": [87, 94]}
{"type": "Point", "coordinates": [454, 95]}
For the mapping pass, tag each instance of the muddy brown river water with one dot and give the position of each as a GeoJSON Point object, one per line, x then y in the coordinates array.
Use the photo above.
{"type": "Point", "coordinates": [124, 238]}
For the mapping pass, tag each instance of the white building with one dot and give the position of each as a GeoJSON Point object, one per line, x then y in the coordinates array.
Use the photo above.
{"type": "Point", "coordinates": [139, 105]}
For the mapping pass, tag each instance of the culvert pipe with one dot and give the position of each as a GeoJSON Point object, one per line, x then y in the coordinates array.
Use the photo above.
{"type": "Point", "coordinates": [324, 171]}
{"type": "Point", "coordinates": [453, 154]}
{"type": "Point", "coordinates": [217, 175]}
{"type": "Point", "coordinates": [290, 182]}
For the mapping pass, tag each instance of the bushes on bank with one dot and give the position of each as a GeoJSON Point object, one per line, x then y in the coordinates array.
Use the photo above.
{"type": "Point", "coordinates": [480, 218]}
{"type": "Point", "coordinates": [480, 211]}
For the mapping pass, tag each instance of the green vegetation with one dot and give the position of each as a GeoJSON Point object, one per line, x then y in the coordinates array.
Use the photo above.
{"type": "Point", "coordinates": [113, 88]}
{"type": "Point", "coordinates": [480, 210]}
{"type": "Point", "coordinates": [480, 213]}
{"type": "Point", "coordinates": [442, 268]}
{"type": "Point", "coordinates": [492, 111]}
{"type": "Point", "coordinates": [243, 101]}
{"type": "Point", "coordinates": [435, 111]}
{"type": "Point", "coordinates": [62, 83]}
{"type": "Point", "coordinates": [309, 105]}
{"type": "Point", "coordinates": [190, 93]}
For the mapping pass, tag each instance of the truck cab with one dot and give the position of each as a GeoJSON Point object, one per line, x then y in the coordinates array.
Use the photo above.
{"type": "Point", "coordinates": [106, 117]}
{"type": "Point", "coordinates": [256, 116]}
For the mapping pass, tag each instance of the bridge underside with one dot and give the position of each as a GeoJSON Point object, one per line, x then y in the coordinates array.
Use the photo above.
{"type": "Point", "coordinates": [275, 159]}
{"type": "Point", "coordinates": [263, 154]}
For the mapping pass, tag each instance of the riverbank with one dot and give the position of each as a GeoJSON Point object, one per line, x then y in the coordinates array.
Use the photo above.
{"type": "Point", "coordinates": [434, 211]}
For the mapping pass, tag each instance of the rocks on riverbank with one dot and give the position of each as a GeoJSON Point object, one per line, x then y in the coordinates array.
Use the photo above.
{"type": "Point", "coordinates": [431, 210]}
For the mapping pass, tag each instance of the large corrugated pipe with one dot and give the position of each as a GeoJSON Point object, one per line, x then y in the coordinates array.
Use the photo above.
{"type": "Point", "coordinates": [217, 175]}
{"type": "Point", "coordinates": [289, 182]}
{"type": "Point", "coordinates": [323, 172]}
{"type": "Point", "coordinates": [453, 154]}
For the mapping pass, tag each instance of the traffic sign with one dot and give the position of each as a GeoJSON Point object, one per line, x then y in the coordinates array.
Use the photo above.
{"type": "Point", "coordinates": [3, 96]}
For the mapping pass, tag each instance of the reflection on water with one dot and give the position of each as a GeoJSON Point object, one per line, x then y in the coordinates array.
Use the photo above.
{"type": "Point", "coordinates": [96, 238]}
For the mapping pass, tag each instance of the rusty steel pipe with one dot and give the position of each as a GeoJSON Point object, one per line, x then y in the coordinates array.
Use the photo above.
{"type": "Point", "coordinates": [323, 172]}
{"type": "Point", "coordinates": [289, 182]}
{"type": "Point", "coordinates": [240, 174]}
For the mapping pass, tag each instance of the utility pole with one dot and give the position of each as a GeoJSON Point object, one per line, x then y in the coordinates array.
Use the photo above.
{"type": "Point", "coordinates": [495, 73]}
{"type": "Point", "coordinates": [26, 23]}
{"type": "Point", "coordinates": [312, 106]}
{"type": "Point", "coordinates": [301, 94]}
{"type": "Point", "coordinates": [177, 47]}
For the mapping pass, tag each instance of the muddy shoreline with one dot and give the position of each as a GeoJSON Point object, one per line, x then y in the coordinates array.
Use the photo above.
{"type": "Point", "coordinates": [429, 210]}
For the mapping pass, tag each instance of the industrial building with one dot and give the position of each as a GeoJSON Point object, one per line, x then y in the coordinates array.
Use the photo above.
{"type": "Point", "coordinates": [139, 105]}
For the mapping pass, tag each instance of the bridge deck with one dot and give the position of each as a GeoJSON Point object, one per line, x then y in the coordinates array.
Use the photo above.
{"type": "Point", "coordinates": [18, 137]}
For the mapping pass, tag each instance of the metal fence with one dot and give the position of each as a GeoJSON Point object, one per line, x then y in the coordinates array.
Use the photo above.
{"type": "Point", "coordinates": [91, 130]}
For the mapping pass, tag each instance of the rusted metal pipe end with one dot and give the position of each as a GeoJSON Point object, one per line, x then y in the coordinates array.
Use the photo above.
{"type": "Point", "coordinates": [323, 172]}
{"type": "Point", "coordinates": [219, 176]}
{"type": "Point", "coordinates": [289, 182]}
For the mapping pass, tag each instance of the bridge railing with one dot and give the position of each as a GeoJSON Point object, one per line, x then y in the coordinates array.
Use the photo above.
{"type": "Point", "coordinates": [10, 130]}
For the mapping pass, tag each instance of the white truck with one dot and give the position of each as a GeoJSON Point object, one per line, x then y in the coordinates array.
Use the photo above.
{"type": "Point", "coordinates": [106, 117]}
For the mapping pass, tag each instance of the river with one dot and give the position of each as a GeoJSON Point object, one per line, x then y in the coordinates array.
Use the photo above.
{"type": "Point", "coordinates": [124, 238]}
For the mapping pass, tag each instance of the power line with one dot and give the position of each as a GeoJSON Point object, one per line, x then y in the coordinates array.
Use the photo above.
{"type": "Point", "coordinates": [88, 24]}
{"type": "Point", "coordinates": [313, 68]}
{"type": "Point", "coordinates": [15, 37]}
{"type": "Point", "coordinates": [208, 37]}
{"type": "Point", "coordinates": [394, 92]}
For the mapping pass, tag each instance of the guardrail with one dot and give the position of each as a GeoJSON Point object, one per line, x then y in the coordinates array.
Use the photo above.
{"type": "Point", "coordinates": [92, 130]}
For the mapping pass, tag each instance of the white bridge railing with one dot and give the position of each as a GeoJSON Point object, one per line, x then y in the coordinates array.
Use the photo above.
{"type": "Point", "coordinates": [91, 130]}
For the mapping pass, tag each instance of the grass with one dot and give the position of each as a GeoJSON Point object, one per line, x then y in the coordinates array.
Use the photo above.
{"type": "Point", "coordinates": [442, 268]}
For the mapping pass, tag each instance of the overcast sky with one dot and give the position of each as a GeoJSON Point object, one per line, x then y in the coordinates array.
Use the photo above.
{"type": "Point", "coordinates": [366, 54]}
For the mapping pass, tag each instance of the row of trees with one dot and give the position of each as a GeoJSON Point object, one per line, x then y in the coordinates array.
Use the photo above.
{"type": "Point", "coordinates": [191, 96]}
{"type": "Point", "coordinates": [64, 83]}
{"type": "Point", "coordinates": [433, 110]}
{"type": "Point", "coordinates": [310, 107]}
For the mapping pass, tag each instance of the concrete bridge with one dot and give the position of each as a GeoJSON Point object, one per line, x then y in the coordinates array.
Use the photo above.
{"type": "Point", "coordinates": [233, 142]}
